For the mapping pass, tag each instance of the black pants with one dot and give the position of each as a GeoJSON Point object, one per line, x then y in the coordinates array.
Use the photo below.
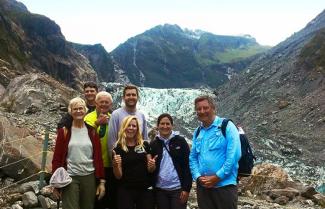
{"type": "Point", "coordinates": [109, 200]}
{"type": "Point", "coordinates": [128, 198]}
{"type": "Point", "coordinates": [217, 198]}
{"type": "Point", "coordinates": [169, 199]}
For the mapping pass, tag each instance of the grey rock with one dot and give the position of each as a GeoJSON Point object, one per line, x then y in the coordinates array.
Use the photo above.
{"type": "Point", "coordinates": [2, 90]}
{"type": "Point", "coordinates": [21, 144]}
{"type": "Point", "coordinates": [264, 122]}
{"type": "Point", "coordinates": [287, 192]}
{"type": "Point", "coordinates": [19, 203]}
{"type": "Point", "coordinates": [247, 207]}
{"type": "Point", "coordinates": [283, 200]}
{"type": "Point", "coordinates": [319, 199]}
{"type": "Point", "coordinates": [44, 201]}
{"type": "Point", "coordinates": [29, 199]}
{"type": "Point", "coordinates": [16, 206]}
{"type": "Point", "coordinates": [8, 181]}
{"type": "Point", "coordinates": [308, 192]}
{"type": "Point", "coordinates": [29, 186]}
{"type": "Point", "coordinates": [54, 203]}
{"type": "Point", "coordinates": [309, 202]}
{"type": "Point", "coordinates": [32, 93]}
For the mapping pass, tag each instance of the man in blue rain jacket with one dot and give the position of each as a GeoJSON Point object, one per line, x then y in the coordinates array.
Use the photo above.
{"type": "Point", "coordinates": [214, 158]}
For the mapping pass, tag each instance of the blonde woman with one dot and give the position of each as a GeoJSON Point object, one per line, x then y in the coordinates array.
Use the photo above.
{"type": "Point", "coordinates": [78, 150]}
{"type": "Point", "coordinates": [132, 165]}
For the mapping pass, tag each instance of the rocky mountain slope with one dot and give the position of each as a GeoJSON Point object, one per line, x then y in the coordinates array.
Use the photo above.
{"type": "Point", "coordinates": [34, 43]}
{"type": "Point", "coordinates": [32, 104]}
{"type": "Point", "coordinates": [99, 59]}
{"type": "Point", "coordinates": [167, 56]}
{"type": "Point", "coordinates": [280, 100]}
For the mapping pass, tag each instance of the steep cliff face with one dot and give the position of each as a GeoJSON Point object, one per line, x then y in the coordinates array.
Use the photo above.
{"type": "Point", "coordinates": [280, 98]}
{"type": "Point", "coordinates": [34, 43]}
{"type": "Point", "coordinates": [99, 59]}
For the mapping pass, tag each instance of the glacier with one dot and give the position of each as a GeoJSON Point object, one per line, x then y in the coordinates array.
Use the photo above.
{"type": "Point", "coordinates": [179, 103]}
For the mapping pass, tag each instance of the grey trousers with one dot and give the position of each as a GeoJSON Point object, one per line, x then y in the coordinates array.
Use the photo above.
{"type": "Point", "coordinates": [80, 193]}
{"type": "Point", "coordinates": [217, 198]}
{"type": "Point", "coordinates": [169, 199]}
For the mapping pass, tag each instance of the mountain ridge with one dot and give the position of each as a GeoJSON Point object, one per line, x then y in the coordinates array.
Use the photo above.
{"type": "Point", "coordinates": [161, 55]}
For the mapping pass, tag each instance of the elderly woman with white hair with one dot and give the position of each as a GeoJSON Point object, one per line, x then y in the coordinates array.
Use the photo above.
{"type": "Point", "coordinates": [78, 150]}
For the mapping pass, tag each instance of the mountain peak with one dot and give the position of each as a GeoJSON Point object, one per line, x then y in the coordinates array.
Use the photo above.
{"type": "Point", "coordinates": [13, 6]}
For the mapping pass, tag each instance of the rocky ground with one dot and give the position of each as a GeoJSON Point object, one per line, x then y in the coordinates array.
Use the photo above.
{"type": "Point", "coordinates": [270, 187]}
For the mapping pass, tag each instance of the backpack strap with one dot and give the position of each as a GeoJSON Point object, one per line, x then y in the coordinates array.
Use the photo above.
{"type": "Point", "coordinates": [224, 126]}
{"type": "Point", "coordinates": [166, 149]}
{"type": "Point", "coordinates": [197, 131]}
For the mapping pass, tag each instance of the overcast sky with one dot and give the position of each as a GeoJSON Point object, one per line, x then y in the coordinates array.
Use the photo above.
{"type": "Point", "coordinates": [112, 22]}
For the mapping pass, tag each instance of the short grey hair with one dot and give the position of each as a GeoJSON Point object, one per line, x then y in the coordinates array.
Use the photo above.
{"type": "Point", "coordinates": [207, 98]}
{"type": "Point", "coordinates": [77, 101]}
{"type": "Point", "coordinates": [104, 93]}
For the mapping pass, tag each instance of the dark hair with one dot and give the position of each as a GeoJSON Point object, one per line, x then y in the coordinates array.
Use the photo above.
{"type": "Point", "coordinates": [207, 98]}
{"type": "Point", "coordinates": [165, 115]}
{"type": "Point", "coordinates": [127, 87]}
{"type": "Point", "coordinates": [90, 84]}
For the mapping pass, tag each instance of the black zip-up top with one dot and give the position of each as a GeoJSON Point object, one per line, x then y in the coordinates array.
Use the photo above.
{"type": "Point", "coordinates": [179, 152]}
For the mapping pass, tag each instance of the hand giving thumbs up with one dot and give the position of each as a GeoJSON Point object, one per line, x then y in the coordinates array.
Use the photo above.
{"type": "Point", "coordinates": [152, 163]}
{"type": "Point", "coordinates": [117, 160]}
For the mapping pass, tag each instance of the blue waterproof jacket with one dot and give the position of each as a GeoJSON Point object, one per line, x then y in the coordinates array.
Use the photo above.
{"type": "Point", "coordinates": [213, 154]}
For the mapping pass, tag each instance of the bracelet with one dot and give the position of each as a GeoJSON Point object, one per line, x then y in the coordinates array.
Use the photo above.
{"type": "Point", "coordinates": [102, 181]}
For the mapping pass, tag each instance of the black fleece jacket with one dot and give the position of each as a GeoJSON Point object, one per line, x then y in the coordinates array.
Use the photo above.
{"type": "Point", "coordinates": [179, 152]}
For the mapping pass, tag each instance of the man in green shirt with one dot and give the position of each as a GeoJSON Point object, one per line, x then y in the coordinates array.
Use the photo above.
{"type": "Point", "coordinates": [99, 119]}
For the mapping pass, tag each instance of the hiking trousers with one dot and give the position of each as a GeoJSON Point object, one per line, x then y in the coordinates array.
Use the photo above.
{"type": "Point", "coordinates": [80, 193]}
{"type": "Point", "coordinates": [217, 198]}
{"type": "Point", "coordinates": [169, 199]}
{"type": "Point", "coordinates": [129, 198]}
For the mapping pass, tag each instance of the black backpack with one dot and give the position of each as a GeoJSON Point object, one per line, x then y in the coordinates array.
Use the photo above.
{"type": "Point", "coordinates": [246, 162]}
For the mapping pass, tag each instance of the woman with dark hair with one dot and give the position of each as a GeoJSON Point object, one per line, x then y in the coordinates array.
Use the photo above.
{"type": "Point", "coordinates": [131, 165]}
{"type": "Point", "coordinates": [78, 150]}
{"type": "Point", "coordinates": [172, 176]}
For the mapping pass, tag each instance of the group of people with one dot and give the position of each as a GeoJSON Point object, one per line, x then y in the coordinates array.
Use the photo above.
{"type": "Point", "coordinates": [113, 165]}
